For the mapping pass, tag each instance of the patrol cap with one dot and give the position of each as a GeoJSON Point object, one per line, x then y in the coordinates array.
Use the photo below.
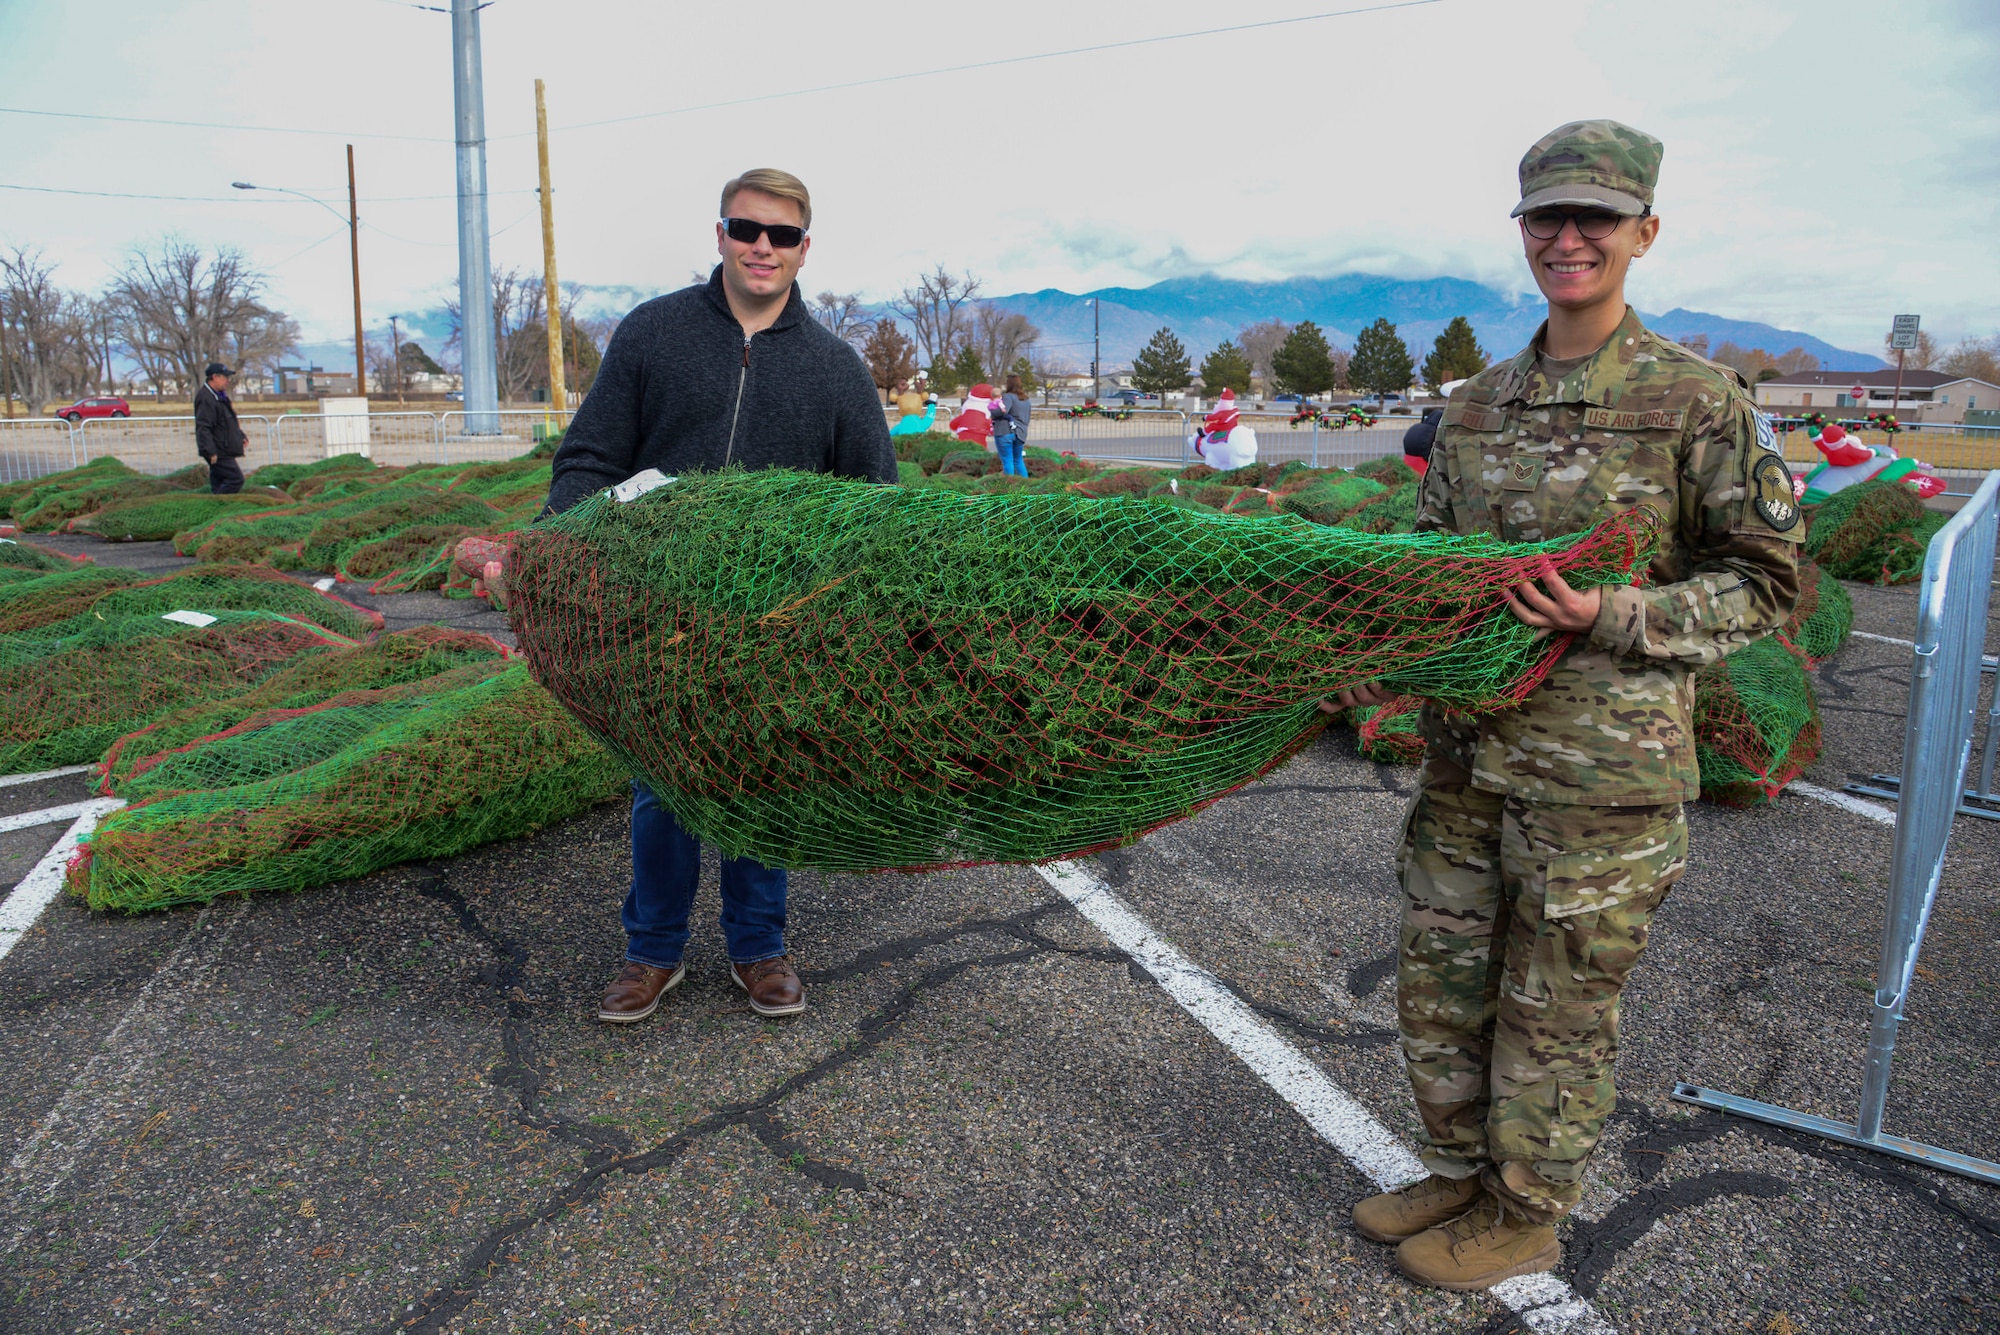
{"type": "Point", "coordinates": [1601, 164]}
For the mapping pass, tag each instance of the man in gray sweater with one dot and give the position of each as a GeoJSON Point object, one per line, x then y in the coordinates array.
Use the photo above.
{"type": "Point", "coordinates": [733, 372]}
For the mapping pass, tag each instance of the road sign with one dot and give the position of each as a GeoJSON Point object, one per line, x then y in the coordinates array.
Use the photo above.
{"type": "Point", "coordinates": [1903, 334]}
{"type": "Point", "coordinates": [1859, 394]}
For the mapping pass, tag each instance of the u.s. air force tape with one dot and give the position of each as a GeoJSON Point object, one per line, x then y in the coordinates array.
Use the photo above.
{"type": "Point", "coordinates": [1771, 483]}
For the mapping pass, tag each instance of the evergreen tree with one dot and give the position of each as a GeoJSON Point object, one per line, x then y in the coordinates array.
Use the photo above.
{"type": "Point", "coordinates": [1303, 363]}
{"type": "Point", "coordinates": [1454, 356]}
{"type": "Point", "coordinates": [1381, 362]}
{"type": "Point", "coordinates": [1161, 365]}
{"type": "Point", "coordinates": [965, 368]}
{"type": "Point", "coordinates": [891, 358]}
{"type": "Point", "coordinates": [1225, 368]}
{"type": "Point", "coordinates": [1025, 369]}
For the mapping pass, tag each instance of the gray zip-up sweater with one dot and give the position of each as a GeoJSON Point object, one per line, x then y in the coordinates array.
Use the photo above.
{"type": "Point", "coordinates": [682, 390]}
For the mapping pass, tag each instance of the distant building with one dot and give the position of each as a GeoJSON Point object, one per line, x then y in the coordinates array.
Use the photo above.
{"type": "Point", "coordinates": [1822, 391]}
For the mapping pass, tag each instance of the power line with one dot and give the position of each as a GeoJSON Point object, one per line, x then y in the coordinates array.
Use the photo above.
{"type": "Point", "coordinates": [223, 125]}
{"type": "Point", "coordinates": [237, 199]}
{"type": "Point", "coordinates": [989, 64]}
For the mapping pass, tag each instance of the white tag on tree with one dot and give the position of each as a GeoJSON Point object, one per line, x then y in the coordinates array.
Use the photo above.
{"type": "Point", "coordinates": [323, 584]}
{"type": "Point", "coordinates": [196, 619]}
{"type": "Point", "coordinates": [632, 488]}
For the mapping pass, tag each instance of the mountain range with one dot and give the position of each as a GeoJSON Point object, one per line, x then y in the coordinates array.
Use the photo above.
{"type": "Point", "coordinates": [1204, 310]}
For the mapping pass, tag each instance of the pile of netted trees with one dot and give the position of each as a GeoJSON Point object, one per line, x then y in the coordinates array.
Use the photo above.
{"type": "Point", "coordinates": [265, 734]}
{"type": "Point", "coordinates": [393, 530]}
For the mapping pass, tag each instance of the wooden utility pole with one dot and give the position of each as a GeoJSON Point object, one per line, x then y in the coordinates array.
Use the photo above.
{"type": "Point", "coordinates": [354, 250]}
{"type": "Point", "coordinates": [551, 292]}
{"type": "Point", "coordinates": [396, 353]}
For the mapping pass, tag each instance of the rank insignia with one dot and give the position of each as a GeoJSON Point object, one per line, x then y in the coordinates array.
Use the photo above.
{"type": "Point", "coordinates": [1524, 473]}
{"type": "Point", "coordinates": [1771, 485]}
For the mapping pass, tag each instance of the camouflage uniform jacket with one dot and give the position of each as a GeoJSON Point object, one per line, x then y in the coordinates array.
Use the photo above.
{"type": "Point", "coordinates": [1642, 422]}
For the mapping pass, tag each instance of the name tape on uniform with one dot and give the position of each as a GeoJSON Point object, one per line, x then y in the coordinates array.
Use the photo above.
{"type": "Point", "coordinates": [1611, 419]}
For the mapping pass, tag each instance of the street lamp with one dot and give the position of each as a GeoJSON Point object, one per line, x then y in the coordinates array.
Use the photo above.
{"type": "Point", "coordinates": [353, 222]}
{"type": "Point", "coordinates": [1096, 381]}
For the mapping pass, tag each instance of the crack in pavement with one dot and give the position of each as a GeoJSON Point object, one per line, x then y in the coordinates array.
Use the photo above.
{"type": "Point", "coordinates": [483, 1262]}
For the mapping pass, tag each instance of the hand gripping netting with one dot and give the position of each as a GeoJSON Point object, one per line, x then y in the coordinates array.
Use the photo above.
{"type": "Point", "coordinates": [816, 672]}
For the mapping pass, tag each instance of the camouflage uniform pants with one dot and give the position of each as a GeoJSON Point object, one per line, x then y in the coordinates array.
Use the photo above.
{"type": "Point", "coordinates": [1521, 922]}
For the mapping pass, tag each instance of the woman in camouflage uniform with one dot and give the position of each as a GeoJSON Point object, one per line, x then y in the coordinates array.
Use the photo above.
{"type": "Point", "coordinates": [1543, 839]}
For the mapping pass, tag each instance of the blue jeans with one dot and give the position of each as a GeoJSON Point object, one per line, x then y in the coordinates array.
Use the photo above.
{"type": "Point", "coordinates": [666, 865]}
{"type": "Point", "coordinates": [1011, 458]}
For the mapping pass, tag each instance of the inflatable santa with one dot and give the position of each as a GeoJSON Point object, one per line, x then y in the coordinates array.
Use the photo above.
{"type": "Point", "coordinates": [974, 423]}
{"type": "Point", "coordinates": [1222, 443]}
{"type": "Point", "coordinates": [1850, 462]}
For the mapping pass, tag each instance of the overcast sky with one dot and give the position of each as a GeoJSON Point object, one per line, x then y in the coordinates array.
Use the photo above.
{"type": "Point", "coordinates": [1828, 163]}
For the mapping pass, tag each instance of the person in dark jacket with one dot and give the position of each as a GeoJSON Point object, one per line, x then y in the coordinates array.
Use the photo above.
{"type": "Point", "coordinates": [731, 373]}
{"type": "Point", "coordinates": [217, 436]}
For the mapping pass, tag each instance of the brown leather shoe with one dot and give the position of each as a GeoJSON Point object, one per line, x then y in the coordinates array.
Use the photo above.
{"type": "Point", "coordinates": [635, 993]}
{"type": "Point", "coordinates": [773, 985]}
{"type": "Point", "coordinates": [1409, 1210]}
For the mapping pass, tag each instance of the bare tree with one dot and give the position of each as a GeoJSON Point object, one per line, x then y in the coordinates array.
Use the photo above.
{"type": "Point", "coordinates": [34, 311]}
{"type": "Point", "coordinates": [934, 310]}
{"type": "Point", "coordinates": [843, 315]}
{"type": "Point", "coordinates": [1797, 360]}
{"type": "Point", "coordinates": [1920, 358]}
{"type": "Point", "coordinates": [891, 357]}
{"type": "Point", "coordinates": [1260, 342]}
{"type": "Point", "coordinates": [1978, 358]}
{"type": "Point", "coordinates": [1048, 369]}
{"type": "Point", "coordinates": [177, 307]}
{"type": "Point", "coordinates": [520, 335]}
{"type": "Point", "coordinates": [1000, 337]}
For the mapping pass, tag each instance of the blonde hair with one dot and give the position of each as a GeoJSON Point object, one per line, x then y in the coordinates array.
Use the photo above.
{"type": "Point", "coordinates": [771, 181]}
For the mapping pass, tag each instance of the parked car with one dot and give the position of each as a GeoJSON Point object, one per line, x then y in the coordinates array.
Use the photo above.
{"type": "Point", "coordinates": [1289, 398]}
{"type": "Point", "coordinates": [1128, 397]}
{"type": "Point", "coordinates": [99, 407]}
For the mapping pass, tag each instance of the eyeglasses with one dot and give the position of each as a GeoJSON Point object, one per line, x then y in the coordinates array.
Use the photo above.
{"type": "Point", "coordinates": [1591, 224]}
{"type": "Point", "coordinates": [746, 231]}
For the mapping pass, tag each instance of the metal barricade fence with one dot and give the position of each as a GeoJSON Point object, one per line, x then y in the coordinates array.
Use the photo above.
{"type": "Point", "coordinates": [391, 440]}
{"type": "Point", "coordinates": [1143, 435]}
{"type": "Point", "coordinates": [1937, 743]}
{"type": "Point", "coordinates": [1321, 446]}
{"type": "Point", "coordinates": [504, 434]}
{"type": "Point", "coordinates": [161, 445]}
{"type": "Point", "coordinates": [32, 447]}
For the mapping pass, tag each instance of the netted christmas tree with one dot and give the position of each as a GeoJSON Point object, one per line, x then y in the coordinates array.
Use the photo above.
{"type": "Point", "coordinates": [1876, 531]}
{"type": "Point", "coordinates": [824, 673]}
{"type": "Point", "coordinates": [1387, 733]}
{"type": "Point", "coordinates": [298, 798]}
{"type": "Point", "coordinates": [1756, 722]}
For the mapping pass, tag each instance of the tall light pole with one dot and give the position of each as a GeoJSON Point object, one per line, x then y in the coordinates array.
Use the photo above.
{"type": "Point", "coordinates": [353, 221]}
{"type": "Point", "coordinates": [1096, 380]}
{"type": "Point", "coordinates": [475, 259]}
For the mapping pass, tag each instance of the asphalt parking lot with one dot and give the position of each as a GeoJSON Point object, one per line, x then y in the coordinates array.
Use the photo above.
{"type": "Point", "coordinates": [384, 1105]}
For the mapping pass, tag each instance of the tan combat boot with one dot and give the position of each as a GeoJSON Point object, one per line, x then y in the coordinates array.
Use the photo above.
{"type": "Point", "coordinates": [1408, 1211]}
{"type": "Point", "coordinates": [1479, 1249]}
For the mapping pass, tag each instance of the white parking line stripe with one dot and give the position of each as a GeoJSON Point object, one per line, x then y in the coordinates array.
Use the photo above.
{"type": "Point", "coordinates": [27, 820]}
{"type": "Point", "coordinates": [1874, 811]}
{"type": "Point", "coordinates": [9, 780]}
{"type": "Point", "coordinates": [44, 881]}
{"type": "Point", "coordinates": [1546, 1304]}
{"type": "Point", "coordinates": [1886, 639]}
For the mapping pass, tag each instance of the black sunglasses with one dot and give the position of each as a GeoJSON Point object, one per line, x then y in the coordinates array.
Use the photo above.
{"type": "Point", "coordinates": [746, 230]}
{"type": "Point", "coordinates": [1591, 224]}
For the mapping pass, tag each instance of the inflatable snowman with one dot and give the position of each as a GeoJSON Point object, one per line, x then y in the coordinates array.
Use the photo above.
{"type": "Point", "coordinates": [974, 423]}
{"type": "Point", "coordinates": [1849, 462]}
{"type": "Point", "coordinates": [1222, 443]}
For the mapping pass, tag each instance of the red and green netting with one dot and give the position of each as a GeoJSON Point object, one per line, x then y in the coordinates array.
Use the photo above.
{"type": "Point", "coordinates": [22, 560]}
{"type": "Point", "coordinates": [48, 508]}
{"type": "Point", "coordinates": [823, 673]}
{"type": "Point", "coordinates": [1388, 733]}
{"type": "Point", "coordinates": [1821, 619]}
{"type": "Point", "coordinates": [157, 518]}
{"type": "Point", "coordinates": [13, 495]}
{"type": "Point", "coordinates": [262, 533]}
{"type": "Point", "coordinates": [62, 702]}
{"type": "Point", "coordinates": [1756, 724]}
{"type": "Point", "coordinates": [96, 596]}
{"type": "Point", "coordinates": [363, 781]}
{"type": "Point", "coordinates": [284, 475]}
{"type": "Point", "coordinates": [414, 655]}
{"type": "Point", "coordinates": [41, 597]}
{"type": "Point", "coordinates": [1876, 531]}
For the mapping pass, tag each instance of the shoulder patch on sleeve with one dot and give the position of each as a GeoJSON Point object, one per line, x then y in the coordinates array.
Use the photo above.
{"type": "Point", "coordinates": [1771, 493]}
{"type": "Point", "coordinates": [1766, 437]}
